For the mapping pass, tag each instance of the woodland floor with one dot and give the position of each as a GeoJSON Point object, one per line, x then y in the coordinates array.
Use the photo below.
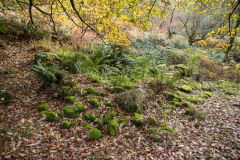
{"type": "Point", "coordinates": [24, 134]}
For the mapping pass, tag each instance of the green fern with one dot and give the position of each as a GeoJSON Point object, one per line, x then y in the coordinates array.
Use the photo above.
{"type": "Point", "coordinates": [43, 73]}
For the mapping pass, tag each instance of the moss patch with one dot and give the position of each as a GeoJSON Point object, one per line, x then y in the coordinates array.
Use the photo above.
{"type": "Point", "coordinates": [138, 119]}
{"type": "Point", "coordinates": [66, 125]}
{"type": "Point", "coordinates": [94, 103]}
{"type": "Point", "coordinates": [117, 90]}
{"type": "Point", "coordinates": [80, 107]}
{"type": "Point", "coordinates": [43, 107]}
{"type": "Point", "coordinates": [51, 116]}
{"type": "Point", "coordinates": [94, 133]}
{"type": "Point", "coordinates": [65, 90]}
{"type": "Point", "coordinates": [109, 116]}
{"type": "Point", "coordinates": [90, 91]}
{"type": "Point", "coordinates": [171, 97]}
{"type": "Point", "coordinates": [95, 80]}
{"type": "Point", "coordinates": [89, 117]}
{"type": "Point", "coordinates": [152, 121]}
{"type": "Point", "coordinates": [208, 94]}
{"type": "Point", "coordinates": [190, 111]}
{"type": "Point", "coordinates": [70, 99]}
{"type": "Point", "coordinates": [100, 123]}
{"type": "Point", "coordinates": [125, 121]}
{"type": "Point", "coordinates": [73, 83]}
{"type": "Point", "coordinates": [70, 112]}
{"type": "Point", "coordinates": [169, 107]}
{"type": "Point", "coordinates": [186, 89]}
{"type": "Point", "coordinates": [112, 127]}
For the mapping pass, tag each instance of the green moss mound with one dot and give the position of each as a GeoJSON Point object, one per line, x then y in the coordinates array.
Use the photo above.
{"type": "Point", "coordinates": [94, 103]}
{"type": "Point", "coordinates": [51, 116]}
{"type": "Point", "coordinates": [89, 117]}
{"type": "Point", "coordinates": [169, 107]}
{"type": "Point", "coordinates": [186, 89]}
{"type": "Point", "coordinates": [90, 91]}
{"type": "Point", "coordinates": [109, 116]}
{"type": "Point", "coordinates": [208, 94]}
{"type": "Point", "coordinates": [138, 119]}
{"type": "Point", "coordinates": [5, 98]}
{"type": "Point", "coordinates": [185, 104]}
{"type": "Point", "coordinates": [102, 94]}
{"type": "Point", "coordinates": [43, 107]}
{"type": "Point", "coordinates": [65, 90]}
{"type": "Point", "coordinates": [94, 133]}
{"type": "Point", "coordinates": [190, 111]}
{"type": "Point", "coordinates": [117, 90]}
{"type": "Point", "coordinates": [100, 123]}
{"type": "Point", "coordinates": [95, 80]}
{"type": "Point", "coordinates": [80, 107]}
{"type": "Point", "coordinates": [125, 121]}
{"type": "Point", "coordinates": [112, 127]}
{"type": "Point", "coordinates": [131, 100]}
{"type": "Point", "coordinates": [73, 83]}
{"type": "Point", "coordinates": [70, 112]}
{"type": "Point", "coordinates": [152, 121]}
{"type": "Point", "coordinates": [71, 99]}
{"type": "Point", "coordinates": [66, 125]}
{"type": "Point", "coordinates": [171, 96]}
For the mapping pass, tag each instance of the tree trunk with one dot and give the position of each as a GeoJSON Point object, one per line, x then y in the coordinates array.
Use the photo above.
{"type": "Point", "coordinates": [233, 37]}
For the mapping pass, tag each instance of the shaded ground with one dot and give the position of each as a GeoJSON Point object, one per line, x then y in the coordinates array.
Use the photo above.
{"type": "Point", "coordinates": [24, 133]}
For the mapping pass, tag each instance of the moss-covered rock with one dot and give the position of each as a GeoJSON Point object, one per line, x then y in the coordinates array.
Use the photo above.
{"type": "Point", "coordinates": [94, 103]}
{"type": "Point", "coordinates": [162, 125]}
{"type": "Point", "coordinates": [102, 94]}
{"type": "Point", "coordinates": [95, 80]}
{"type": "Point", "coordinates": [70, 112]}
{"type": "Point", "coordinates": [185, 104]}
{"type": "Point", "coordinates": [152, 121]}
{"type": "Point", "coordinates": [190, 111]}
{"type": "Point", "coordinates": [94, 133]}
{"type": "Point", "coordinates": [91, 91]}
{"type": "Point", "coordinates": [89, 117]}
{"type": "Point", "coordinates": [131, 100]}
{"type": "Point", "coordinates": [5, 98]}
{"type": "Point", "coordinates": [66, 125]}
{"type": "Point", "coordinates": [73, 83]}
{"type": "Point", "coordinates": [117, 90]}
{"type": "Point", "coordinates": [43, 107]}
{"type": "Point", "coordinates": [51, 116]}
{"type": "Point", "coordinates": [100, 123]}
{"type": "Point", "coordinates": [186, 89]}
{"type": "Point", "coordinates": [65, 91]}
{"type": "Point", "coordinates": [71, 99]}
{"type": "Point", "coordinates": [109, 116]}
{"type": "Point", "coordinates": [169, 107]}
{"type": "Point", "coordinates": [138, 119]}
{"type": "Point", "coordinates": [112, 127]}
{"type": "Point", "coordinates": [125, 121]}
{"type": "Point", "coordinates": [192, 99]}
{"type": "Point", "coordinates": [80, 107]}
{"type": "Point", "coordinates": [171, 96]}
{"type": "Point", "coordinates": [208, 94]}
